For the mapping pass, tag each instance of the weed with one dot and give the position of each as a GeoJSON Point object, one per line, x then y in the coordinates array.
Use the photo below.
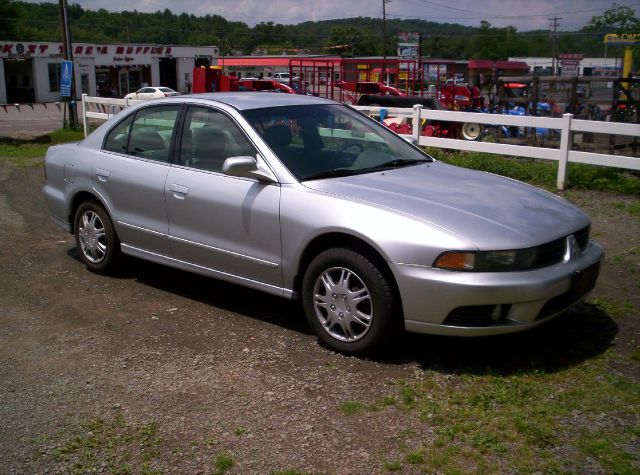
{"type": "Point", "coordinates": [407, 395]}
{"type": "Point", "coordinates": [392, 466]}
{"type": "Point", "coordinates": [240, 431]}
{"type": "Point", "coordinates": [387, 401]}
{"type": "Point", "coordinates": [351, 407]}
{"type": "Point", "coordinates": [414, 458]}
{"type": "Point", "coordinates": [618, 259]}
{"type": "Point", "coordinates": [222, 463]}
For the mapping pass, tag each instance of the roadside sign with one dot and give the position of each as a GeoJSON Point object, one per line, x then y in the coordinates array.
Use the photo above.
{"type": "Point", "coordinates": [621, 40]}
{"type": "Point", "coordinates": [66, 74]}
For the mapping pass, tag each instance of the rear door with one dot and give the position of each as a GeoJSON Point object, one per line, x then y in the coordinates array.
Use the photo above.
{"type": "Point", "coordinates": [131, 173]}
{"type": "Point", "coordinates": [227, 224]}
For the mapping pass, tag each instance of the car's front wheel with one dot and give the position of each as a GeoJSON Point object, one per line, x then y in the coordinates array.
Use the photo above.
{"type": "Point", "coordinates": [96, 239]}
{"type": "Point", "coordinates": [349, 302]}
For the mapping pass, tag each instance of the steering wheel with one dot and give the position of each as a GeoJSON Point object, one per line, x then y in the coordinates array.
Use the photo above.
{"type": "Point", "coordinates": [357, 145]}
{"type": "Point", "coordinates": [345, 158]}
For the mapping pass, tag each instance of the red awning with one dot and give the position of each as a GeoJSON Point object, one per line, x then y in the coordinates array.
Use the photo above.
{"type": "Point", "coordinates": [488, 64]}
{"type": "Point", "coordinates": [519, 65]}
{"type": "Point", "coordinates": [270, 60]}
{"type": "Point", "coordinates": [480, 64]}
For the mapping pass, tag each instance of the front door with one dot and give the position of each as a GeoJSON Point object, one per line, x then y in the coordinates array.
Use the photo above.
{"type": "Point", "coordinates": [227, 224]}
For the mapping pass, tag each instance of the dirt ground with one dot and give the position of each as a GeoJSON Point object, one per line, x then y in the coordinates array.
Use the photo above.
{"type": "Point", "coordinates": [179, 369]}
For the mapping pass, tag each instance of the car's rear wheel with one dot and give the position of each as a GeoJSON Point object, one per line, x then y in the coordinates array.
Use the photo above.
{"type": "Point", "coordinates": [96, 240]}
{"type": "Point", "coordinates": [471, 131]}
{"type": "Point", "coordinates": [349, 302]}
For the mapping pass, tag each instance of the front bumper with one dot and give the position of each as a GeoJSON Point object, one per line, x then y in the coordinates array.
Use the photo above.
{"type": "Point", "coordinates": [527, 298]}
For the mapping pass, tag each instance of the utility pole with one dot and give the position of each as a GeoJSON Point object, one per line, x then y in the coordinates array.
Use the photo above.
{"type": "Point", "coordinates": [384, 41]}
{"type": "Point", "coordinates": [68, 55]}
{"type": "Point", "coordinates": [554, 44]}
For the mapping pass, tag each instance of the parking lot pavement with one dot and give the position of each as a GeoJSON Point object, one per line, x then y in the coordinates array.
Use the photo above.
{"type": "Point", "coordinates": [32, 120]}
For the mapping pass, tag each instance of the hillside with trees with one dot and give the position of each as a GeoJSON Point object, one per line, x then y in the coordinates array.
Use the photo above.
{"type": "Point", "coordinates": [359, 36]}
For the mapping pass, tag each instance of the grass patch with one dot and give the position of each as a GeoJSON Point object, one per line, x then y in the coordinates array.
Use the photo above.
{"type": "Point", "coordinates": [21, 153]}
{"type": "Point", "coordinates": [352, 407]}
{"type": "Point", "coordinates": [613, 307]}
{"type": "Point", "coordinates": [544, 173]}
{"type": "Point", "coordinates": [289, 472]}
{"type": "Point", "coordinates": [119, 446]}
{"type": "Point", "coordinates": [529, 421]}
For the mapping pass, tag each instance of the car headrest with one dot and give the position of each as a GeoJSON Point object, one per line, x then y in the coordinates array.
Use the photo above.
{"type": "Point", "coordinates": [207, 142]}
{"type": "Point", "coordinates": [143, 140]}
{"type": "Point", "coordinates": [278, 136]}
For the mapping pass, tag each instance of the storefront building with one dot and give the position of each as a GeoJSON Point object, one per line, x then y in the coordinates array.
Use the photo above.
{"type": "Point", "coordinates": [30, 71]}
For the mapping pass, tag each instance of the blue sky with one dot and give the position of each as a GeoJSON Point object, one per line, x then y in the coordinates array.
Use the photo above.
{"type": "Point", "coordinates": [523, 14]}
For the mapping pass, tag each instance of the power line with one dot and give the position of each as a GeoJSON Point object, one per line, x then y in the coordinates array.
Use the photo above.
{"type": "Point", "coordinates": [488, 15]}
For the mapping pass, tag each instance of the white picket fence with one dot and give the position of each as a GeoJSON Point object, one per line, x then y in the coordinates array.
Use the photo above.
{"type": "Point", "coordinates": [101, 108]}
{"type": "Point", "coordinates": [566, 125]}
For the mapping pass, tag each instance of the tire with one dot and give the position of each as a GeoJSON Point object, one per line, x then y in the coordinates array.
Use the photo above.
{"type": "Point", "coordinates": [350, 303]}
{"type": "Point", "coordinates": [96, 240]}
{"type": "Point", "coordinates": [471, 131]}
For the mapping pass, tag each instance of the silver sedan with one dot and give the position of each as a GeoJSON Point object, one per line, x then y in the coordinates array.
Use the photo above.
{"type": "Point", "coordinates": [306, 198]}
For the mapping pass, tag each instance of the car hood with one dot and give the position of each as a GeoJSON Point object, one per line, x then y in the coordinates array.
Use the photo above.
{"type": "Point", "coordinates": [490, 211]}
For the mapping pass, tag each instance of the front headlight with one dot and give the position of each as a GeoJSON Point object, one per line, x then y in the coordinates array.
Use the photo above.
{"type": "Point", "coordinates": [486, 261]}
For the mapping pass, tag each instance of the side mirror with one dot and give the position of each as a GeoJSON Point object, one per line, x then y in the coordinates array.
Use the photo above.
{"type": "Point", "coordinates": [246, 166]}
{"type": "Point", "coordinates": [409, 138]}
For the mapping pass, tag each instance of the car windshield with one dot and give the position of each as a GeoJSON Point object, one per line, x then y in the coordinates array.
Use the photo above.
{"type": "Point", "coordinates": [323, 141]}
{"type": "Point", "coordinates": [165, 89]}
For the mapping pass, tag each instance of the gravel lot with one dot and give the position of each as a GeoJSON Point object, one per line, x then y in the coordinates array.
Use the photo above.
{"type": "Point", "coordinates": [172, 370]}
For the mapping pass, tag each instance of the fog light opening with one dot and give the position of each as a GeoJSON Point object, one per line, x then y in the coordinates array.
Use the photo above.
{"type": "Point", "coordinates": [497, 313]}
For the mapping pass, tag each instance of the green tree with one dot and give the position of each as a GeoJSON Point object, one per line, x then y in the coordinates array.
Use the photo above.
{"type": "Point", "coordinates": [350, 41]}
{"type": "Point", "coordinates": [619, 19]}
{"type": "Point", "coordinates": [11, 14]}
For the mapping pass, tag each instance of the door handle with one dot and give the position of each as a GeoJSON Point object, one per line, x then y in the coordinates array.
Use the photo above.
{"type": "Point", "coordinates": [102, 174]}
{"type": "Point", "coordinates": [179, 191]}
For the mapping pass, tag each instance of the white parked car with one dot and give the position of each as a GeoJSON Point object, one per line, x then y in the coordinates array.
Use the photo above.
{"type": "Point", "coordinates": [151, 93]}
{"type": "Point", "coordinates": [284, 77]}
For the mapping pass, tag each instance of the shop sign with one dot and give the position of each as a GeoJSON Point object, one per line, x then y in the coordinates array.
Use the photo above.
{"type": "Point", "coordinates": [413, 38]}
{"type": "Point", "coordinates": [52, 50]}
{"type": "Point", "coordinates": [30, 50]}
{"type": "Point", "coordinates": [409, 45]}
{"type": "Point", "coordinates": [408, 50]}
{"type": "Point", "coordinates": [570, 63]}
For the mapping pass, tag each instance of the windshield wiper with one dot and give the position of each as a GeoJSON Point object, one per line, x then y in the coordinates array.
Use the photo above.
{"type": "Point", "coordinates": [338, 172]}
{"type": "Point", "coordinates": [399, 162]}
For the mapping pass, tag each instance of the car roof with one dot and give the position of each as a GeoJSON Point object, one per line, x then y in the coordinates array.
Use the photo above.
{"type": "Point", "coordinates": [253, 100]}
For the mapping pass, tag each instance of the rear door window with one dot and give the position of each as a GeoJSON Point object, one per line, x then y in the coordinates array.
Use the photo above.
{"type": "Point", "coordinates": [152, 132]}
{"type": "Point", "coordinates": [118, 137]}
